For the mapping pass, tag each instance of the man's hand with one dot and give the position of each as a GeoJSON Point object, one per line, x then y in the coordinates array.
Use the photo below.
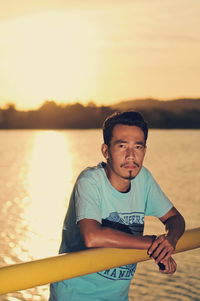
{"type": "Point", "coordinates": [164, 245]}
{"type": "Point", "coordinates": [170, 266]}
{"type": "Point", "coordinates": [162, 248]}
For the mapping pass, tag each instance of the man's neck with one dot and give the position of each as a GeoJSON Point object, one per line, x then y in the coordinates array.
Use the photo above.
{"type": "Point", "coordinates": [122, 185]}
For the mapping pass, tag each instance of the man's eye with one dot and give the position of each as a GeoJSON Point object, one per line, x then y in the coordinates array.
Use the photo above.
{"type": "Point", "coordinates": [122, 145]}
{"type": "Point", "coordinates": [139, 147]}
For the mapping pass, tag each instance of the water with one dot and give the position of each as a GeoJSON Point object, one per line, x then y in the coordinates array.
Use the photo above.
{"type": "Point", "coordinates": [38, 170]}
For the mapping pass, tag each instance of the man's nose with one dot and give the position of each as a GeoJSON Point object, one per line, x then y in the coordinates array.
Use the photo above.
{"type": "Point", "coordinates": [130, 153]}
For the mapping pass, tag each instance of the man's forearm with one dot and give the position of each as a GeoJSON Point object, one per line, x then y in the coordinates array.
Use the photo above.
{"type": "Point", "coordinates": [111, 238]}
{"type": "Point", "coordinates": [175, 227]}
{"type": "Point", "coordinates": [96, 236]}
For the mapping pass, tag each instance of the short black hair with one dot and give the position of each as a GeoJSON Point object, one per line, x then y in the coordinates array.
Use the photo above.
{"type": "Point", "coordinates": [127, 118]}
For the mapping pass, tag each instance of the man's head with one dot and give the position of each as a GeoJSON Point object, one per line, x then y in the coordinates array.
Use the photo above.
{"type": "Point", "coordinates": [125, 118]}
{"type": "Point", "coordinates": [124, 147]}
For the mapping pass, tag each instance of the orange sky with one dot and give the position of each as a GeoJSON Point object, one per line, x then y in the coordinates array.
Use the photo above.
{"type": "Point", "coordinates": [103, 51]}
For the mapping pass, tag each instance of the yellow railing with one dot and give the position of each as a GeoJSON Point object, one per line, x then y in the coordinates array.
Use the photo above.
{"type": "Point", "coordinates": [30, 274]}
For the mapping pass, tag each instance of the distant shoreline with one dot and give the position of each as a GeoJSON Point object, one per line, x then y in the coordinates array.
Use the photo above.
{"type": "Point", "coordinates": [173, 114]}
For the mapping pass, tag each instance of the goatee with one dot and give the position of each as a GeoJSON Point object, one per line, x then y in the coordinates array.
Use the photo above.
{"type": "Point", "coordinates": [130, 177]}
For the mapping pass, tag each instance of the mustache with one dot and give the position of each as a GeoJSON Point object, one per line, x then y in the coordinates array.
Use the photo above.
{"type": "Point", "coordinates": [126, 164]}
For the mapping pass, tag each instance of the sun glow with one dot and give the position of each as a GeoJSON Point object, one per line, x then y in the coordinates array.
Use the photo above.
{"type": "Point", "coordinates": [53, 57]}
{"type": "Point", "coordinates": [70, 51]}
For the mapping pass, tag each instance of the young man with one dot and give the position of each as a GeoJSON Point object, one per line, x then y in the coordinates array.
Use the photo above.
{"type": "Point", "coordinates": [107, 209]}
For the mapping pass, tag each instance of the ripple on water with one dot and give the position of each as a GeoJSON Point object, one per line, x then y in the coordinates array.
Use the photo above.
{"type": "Point", "coordinates": [150, 285]}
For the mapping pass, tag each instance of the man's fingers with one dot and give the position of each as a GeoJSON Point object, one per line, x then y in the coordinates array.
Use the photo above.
{"type": "Point", "coordinates": [170, 266]}
{"type": "Point", "coordinates": [162, 256]}
{"type": "Point", "coordinates": [155, 244]}
{"type": "Point", "coordinates": [160, 249]}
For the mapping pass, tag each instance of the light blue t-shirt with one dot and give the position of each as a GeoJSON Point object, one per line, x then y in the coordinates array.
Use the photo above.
{"type": "Point", "coordinates": [94, 197]}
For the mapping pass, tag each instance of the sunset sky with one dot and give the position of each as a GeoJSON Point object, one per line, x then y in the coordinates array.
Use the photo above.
{"type": "Point", "coordinates": [102, 51]}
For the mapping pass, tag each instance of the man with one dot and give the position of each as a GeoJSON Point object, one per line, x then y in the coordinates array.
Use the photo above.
{"type": "Point", "coordinates": [107, 209]}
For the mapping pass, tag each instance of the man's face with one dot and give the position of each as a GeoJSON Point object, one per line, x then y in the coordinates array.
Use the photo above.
{"type": "Point", "coordinates": [126, 152]}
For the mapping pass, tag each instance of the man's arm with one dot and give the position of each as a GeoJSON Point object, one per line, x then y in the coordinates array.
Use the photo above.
{"type": "Point", "coordinates": [94, 236]}
{"type": "Point", "coordinates": [164, 245]}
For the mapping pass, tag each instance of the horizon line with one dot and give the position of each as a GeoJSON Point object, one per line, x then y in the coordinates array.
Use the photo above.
{"type": "Point", "coordinates": [7, 104]}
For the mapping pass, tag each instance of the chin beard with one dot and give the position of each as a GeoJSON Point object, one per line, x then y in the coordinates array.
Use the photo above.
{"type": "Point", "coordinates": [130, 176]}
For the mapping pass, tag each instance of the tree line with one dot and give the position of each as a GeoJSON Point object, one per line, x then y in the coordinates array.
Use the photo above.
{"type": "Point", "coordinates": [77, 116]}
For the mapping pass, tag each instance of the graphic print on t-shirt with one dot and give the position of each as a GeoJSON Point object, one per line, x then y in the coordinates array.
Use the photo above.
{"type": "Point", "coordinates": [132, 223]}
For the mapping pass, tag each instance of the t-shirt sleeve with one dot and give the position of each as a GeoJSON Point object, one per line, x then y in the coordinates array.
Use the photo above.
{"type": "Point", "coordinates": [87, 200]}
{"type": "Point", "coordinates": [158, 203]}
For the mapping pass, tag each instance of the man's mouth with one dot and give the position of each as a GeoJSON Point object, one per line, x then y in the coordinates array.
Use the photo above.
{"type": "Point", "coordinates": [132, 165]}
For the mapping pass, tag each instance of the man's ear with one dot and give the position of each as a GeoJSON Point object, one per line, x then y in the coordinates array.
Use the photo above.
{"type": "Point", "coordinates": [104, 150]}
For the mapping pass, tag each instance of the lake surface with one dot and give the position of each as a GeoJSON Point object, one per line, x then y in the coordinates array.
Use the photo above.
{"type": "Point", "coordinates": [38, 170]}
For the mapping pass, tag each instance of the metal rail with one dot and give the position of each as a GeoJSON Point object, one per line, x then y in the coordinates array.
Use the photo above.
{"type": "Point", "coordinates": [39, 272]}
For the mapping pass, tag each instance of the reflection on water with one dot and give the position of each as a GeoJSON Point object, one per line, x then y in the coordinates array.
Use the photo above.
{"type": "Point", "coordinates": [38, 170]}
{"type": "Point", "coordinates": [49, 175]}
